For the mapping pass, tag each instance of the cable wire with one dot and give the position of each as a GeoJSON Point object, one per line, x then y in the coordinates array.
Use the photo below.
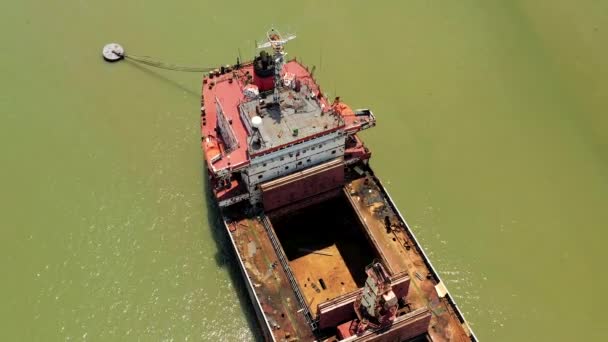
{"type": "Point", "coordinates": [167, 66]}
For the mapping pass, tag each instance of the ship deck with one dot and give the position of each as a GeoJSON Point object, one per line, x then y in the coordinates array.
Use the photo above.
{"type": "Point", "coordinates": [300, 115]}
{"type": "Point", "coordinates": [401, 253]}
{"type": "Point", "coordinates": [270, 283]}
{"type": "Point", "coordinates": [283, 254]}
{"type": "Point", "coordinates": [228, 90]}
{"type": "Point", "coordinates": [303, 115]}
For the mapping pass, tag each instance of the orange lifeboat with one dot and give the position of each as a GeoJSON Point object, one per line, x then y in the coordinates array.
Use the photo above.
{"type": "Point", "coordinates": [212, 149]}
{"type": "Point", "coordinates": [342, 108]}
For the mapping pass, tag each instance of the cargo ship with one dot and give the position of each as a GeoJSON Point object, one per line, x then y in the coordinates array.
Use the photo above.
{"type": "Point", "coordinates": [324, 252]}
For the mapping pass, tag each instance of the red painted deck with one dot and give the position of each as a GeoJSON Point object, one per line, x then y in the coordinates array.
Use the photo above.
{"type": "Point", "coordinates": [228, 88]}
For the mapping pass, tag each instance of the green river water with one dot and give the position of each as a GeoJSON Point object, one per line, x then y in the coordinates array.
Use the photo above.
{"type": "Point", "coordinates": [491, 137]}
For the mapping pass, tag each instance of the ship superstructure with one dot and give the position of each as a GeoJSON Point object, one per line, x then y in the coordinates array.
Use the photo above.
{"type": "Point", "coordinates": [324, 252]}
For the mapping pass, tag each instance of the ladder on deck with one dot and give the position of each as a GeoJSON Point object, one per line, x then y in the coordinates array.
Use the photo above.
{"type": "Point", "coordinates": [292, 280]}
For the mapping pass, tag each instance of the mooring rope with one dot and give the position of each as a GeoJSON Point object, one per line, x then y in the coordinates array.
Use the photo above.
{"type": "Point", "coordinates": [158, 64]}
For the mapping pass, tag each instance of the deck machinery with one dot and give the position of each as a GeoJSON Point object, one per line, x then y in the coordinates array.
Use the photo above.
{"type": "Point", "coordinates": [324, 252]}
{"type": "Point", "coordinates": [377, 302]}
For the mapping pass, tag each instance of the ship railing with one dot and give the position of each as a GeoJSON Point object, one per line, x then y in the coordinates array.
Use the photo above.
{"type": "Point", "coordinates": [292, 280]}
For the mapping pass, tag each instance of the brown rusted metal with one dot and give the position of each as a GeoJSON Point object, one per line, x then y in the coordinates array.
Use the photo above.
{"type": "Point", "coordinates": [287, 291]}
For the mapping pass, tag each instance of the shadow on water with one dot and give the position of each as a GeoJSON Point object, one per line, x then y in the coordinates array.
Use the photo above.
{"type": "Point", "coordinates": [226, 258]}
{"type": "Point", "coordinates": [163, 78]}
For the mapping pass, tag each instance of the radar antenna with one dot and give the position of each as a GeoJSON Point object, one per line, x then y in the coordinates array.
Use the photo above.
{"type": "Point", "coordinates": [276, 41]}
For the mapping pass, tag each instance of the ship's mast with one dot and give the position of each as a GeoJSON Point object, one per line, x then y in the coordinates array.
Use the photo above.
{"type": "Point", "coordinates": [277, 42]}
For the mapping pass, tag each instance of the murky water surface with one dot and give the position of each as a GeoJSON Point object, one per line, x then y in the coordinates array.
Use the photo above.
{"type": "Point", "coordinates": [491, 137]}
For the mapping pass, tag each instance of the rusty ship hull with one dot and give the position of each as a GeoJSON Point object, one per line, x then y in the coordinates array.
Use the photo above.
{"type": "Point", "coordinates": [324, 252]}
{"type": "Point", "coordinates": [284, 311]}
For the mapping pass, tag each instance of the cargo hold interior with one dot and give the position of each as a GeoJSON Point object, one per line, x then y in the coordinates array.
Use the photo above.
{"type": "Point", "coordinates": [327, 249]}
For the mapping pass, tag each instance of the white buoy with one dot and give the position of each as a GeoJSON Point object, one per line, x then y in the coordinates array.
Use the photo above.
{"type": "Point", "coordinates": [113, 52]}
